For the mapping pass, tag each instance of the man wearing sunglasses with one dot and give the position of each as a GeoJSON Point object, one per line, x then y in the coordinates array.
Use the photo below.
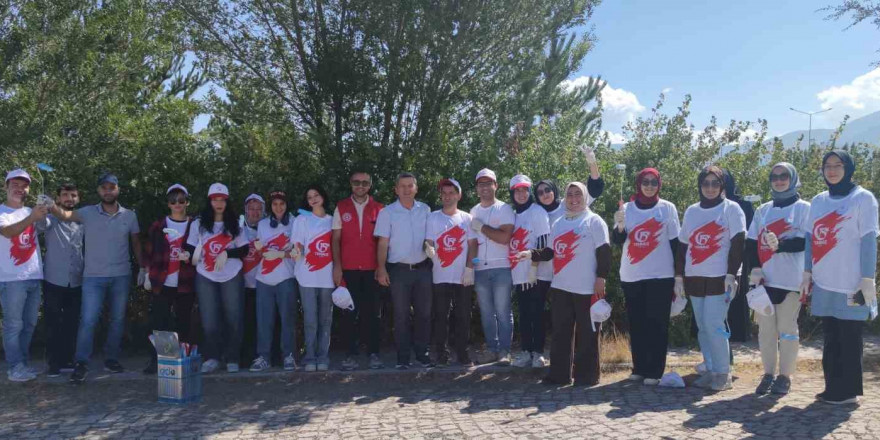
{"type": "Point", "coordinates": [170, 281]}
{"type": "Point", "coordinates": [354, 264]}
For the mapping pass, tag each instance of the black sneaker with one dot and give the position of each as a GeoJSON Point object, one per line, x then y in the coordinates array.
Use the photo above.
{"type": "Point", "coordinates": [765, 385]}
{"type": "Point", "coordinates": [113, 366]}
{"type": "Point", "coordinates": [442, 359]}
{"type": "Point", "coordinates": [151, 368]}
{"type": "Point", "coordinates": [54, 371]}
{"type": "Point", "coordinates": [80, 371]}
{"type": "Point", "coordinates": [68, 367]}
{"type": "Point", "coordinates": [425, 361]}
{"type": "Point", "coordinates": [402, 366]}
{"type": "Point", "coordinates": [781, 386]}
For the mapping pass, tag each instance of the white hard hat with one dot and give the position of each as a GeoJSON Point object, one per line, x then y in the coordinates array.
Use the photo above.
{"type": "Point", "coordinates": [678, 305]}
{"type": "Point", "coordinates": [342, 298]}
{"type": "Point", "coordinates": [600, 311]}
{"type": "Point", "coordinates": [760, 302]}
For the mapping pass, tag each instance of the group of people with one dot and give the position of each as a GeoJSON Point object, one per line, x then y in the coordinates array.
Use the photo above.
{"type": "Point", "coordinates": [543, 245]}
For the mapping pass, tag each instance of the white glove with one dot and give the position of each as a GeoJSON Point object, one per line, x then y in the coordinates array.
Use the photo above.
{"type": "Point", "coordinates": [429, 250]}
{"type": "Point", "coordinates": [523, 256]}
{"type": "Point", "coordinates": [533, 274]}
{"type": "Point", "coordinates": [771, 240]}
{"type": "Point", "coordinates": [620, 219]}
{"type": "Point", "coordinates": [590, 156]}
{"type": "Point", "coordinates": [467, 278]}
{"type": "Point", "coordinates": [806, 281]}
{"type": "Point", "coordinates": [220, 262]}
{"type": "Point", "coordinates": [148, 286]}
{"type": "Point", "coordinates": [295, 253]}
{"type": "Point", "coordinates": [197, 254]}
{"type": "Point", "coordinates": [273, 255]}
{"type": "Point", "coordinates": [476, 225]}
{"type": "Point", "coordinates": [258, 245]}
{"type": "Point", "coordinates": [869, 289]}
{"type": "Point", "coordinates": [679, 287]}
{"type": "Point", "coordinates": [44, 200]}
{"type": "Point", "coordinates": [142, 275]}
{"type": "Point", "coordinates": [756, 276]}
{"type": "Point", "coordinates": [183, 256]}
{"type": "Point", "coordinates": [171, 232]}
{"type": "Point", "coordinates": [730, 285]}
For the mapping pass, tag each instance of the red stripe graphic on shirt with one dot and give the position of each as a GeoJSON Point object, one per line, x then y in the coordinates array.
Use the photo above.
{"type": "Point", "coordinates": [174, 261]}
{"type": "Point", "coordinates": [824, 236]}
{"type": "Point", "coordinates": [450, 245]}
{"type": "Point", "coordinates": [778, 227]}
{"type": "Point", "coordinates": [705, 242]}
{"type": "Point", "coordinates": [213, 247]}
{"type": "Point", "coordinates": [252, 259]}
{"type": "Point", "coordinates": [563, 250]}
{"type": "Point", "coordinates": [519, 242]}
{"type": "Point", "coordinates": [319, 255]}
{"type": "Point", "coordinates": [23, 246]}
{"type": "Point", "coordinates": [276, 244]}
{"type": "Point", "coordinates": [643, 239]}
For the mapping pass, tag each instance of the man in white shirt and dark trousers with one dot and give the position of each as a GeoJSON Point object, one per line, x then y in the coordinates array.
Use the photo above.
{"type": "Point", "coordinates": [488, 245]}
{"type": "Point", "coordinates": [401, 230]}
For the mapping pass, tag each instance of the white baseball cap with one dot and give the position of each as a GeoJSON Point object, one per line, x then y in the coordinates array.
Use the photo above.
{"type": "Point", "coordinates": [759, 301]}
{"type": "Point", "coordinates": [485, 172]}
{"type": "Point", "coordinates": [678, 305]}
{"type": "Point", "coordinates": [600, 311]}
{"type": "Point", "coordinates": [342, 298]}
{"type": "Point", "coordinates": [449, 181]}
{"type": "Point", "coordinates": [218, 189]}
{"type": "Point", "coordinates": [520, 181]}
{"type": "Point", "coordinates": [254, 197]}
{"type": "Point", "coordinates": [178, 187]}
{"type": "Point", "coordinates": [18, 174]}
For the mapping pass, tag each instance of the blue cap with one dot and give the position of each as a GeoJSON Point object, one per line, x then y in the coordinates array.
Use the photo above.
{"type": "Point", "coordinates": [108, 178]}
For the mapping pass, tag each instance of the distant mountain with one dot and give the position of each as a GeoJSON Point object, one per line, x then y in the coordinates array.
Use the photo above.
{"type": "Point", "coordinates": [865, 129]}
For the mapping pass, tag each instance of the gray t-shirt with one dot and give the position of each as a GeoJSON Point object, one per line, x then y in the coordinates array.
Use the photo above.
{"type": "Point", "coordinates": [63, 263]}
{"type": "Point", "coordinates": [107, 240]}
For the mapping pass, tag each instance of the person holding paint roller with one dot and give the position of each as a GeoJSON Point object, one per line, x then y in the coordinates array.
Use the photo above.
{"type": "Point", "coordinates": [775, 244]}
{"type": "Point", "coordinates": [709, 256]}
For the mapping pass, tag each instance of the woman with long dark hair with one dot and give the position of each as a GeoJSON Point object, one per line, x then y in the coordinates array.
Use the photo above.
{"type": "Point", "coordinates": [217, 250]}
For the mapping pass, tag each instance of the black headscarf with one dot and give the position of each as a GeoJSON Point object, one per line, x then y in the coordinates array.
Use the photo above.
{"type": "Point", "coordinates": [846, 184]}
{"type": "Point", "coordinates": [732, 192]}
{"type": "Point", "coordinates": [551, 207]}
{"type": "Point", "coordinates": [522, 208]}
{"type": "Point", "coordinates": [705, 172]}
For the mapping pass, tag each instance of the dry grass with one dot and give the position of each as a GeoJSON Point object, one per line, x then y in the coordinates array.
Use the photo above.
{"type": "Point", "coordinates": [615, 348]}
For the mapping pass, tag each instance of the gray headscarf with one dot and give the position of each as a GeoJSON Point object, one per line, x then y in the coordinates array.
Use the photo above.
{"type": "Point", "coordinates": [793, 184]}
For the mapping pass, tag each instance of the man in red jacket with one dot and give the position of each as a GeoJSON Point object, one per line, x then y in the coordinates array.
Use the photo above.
{"type": "Point", "coordinates": [354, 264]}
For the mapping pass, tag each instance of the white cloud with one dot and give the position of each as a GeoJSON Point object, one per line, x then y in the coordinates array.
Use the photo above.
{"type": "Point", "coordinates": [615, 138]}
{"type": "Point", "coordinates": [857, 99]}
{"type": "Point", "coordinates": [619, 106]}
{"type": "Point", "coordinates": [667, 90]}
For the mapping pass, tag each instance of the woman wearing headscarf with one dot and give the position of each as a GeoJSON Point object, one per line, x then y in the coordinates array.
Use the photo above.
{"type": "Point", "coordinates": [648, 229]}
{"type": "Point", "coordinates": [840, 262]}
{"type": "Point", "coordinates": [709, 256]}
{"type": "Point", "coordinates": [775, 244]}
{"type": "Point", "coordinates": [581, 258]}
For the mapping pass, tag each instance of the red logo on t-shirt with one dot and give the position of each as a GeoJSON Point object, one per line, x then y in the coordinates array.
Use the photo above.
{"type": "Point", "coordinates": [252, 259]}
{"type": "Point", "coordinates": [518, 243]}
{"type": "Point", "coordinates": [276, 244]}
{"type": "Point", "coordinates": [824, 236]}
{"type": "Point", "coordinates": [175, 247]}
{"type": "Point", "coordinates": [450, 245]}
{"type": "Point", "coordinates": [778, 227]}
{"type": "Point", "coordinates": [563, 250]}
{"type": "Point", "coordinates": [23, 246]}
{"type": "Point", "coordinates": [213, 247]}
{"type": "Point", "coordinates": [319, 255]}
{"type": "Point", "coordinates": [705, 242]}
{"type": "Point", "coordinates": [643, 239]}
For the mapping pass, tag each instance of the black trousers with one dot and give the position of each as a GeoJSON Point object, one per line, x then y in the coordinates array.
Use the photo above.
{"type": "Point", "coordinates": [172, 311]}
{"type": "Point", "coordinates": [647, 307]}
{"type": "Point", "coordinates": [573, 339]}
{"type": "Point", "coordinates": [363, 324]}
{"type": "Point", "coordinates": [61, 310]}
{"type": "Point", "coordinates": [411, 290]}
{"type": "Point", "coordinates": [459, 299]}
{"type": "Point", "coordinates": [842, 358]}
{"type": "Point", "coordinates": [531, 316]}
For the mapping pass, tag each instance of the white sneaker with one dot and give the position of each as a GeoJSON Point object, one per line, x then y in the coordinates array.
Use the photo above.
{"type": "Point", "coordinates": [20, 373]}
{"type": "Point", "coordinates": [310, 367]}
{"type": "Point", "coordinates": [721, 382]}
{"type": "Point", "coordinates": [33, 370]}
{"type": "Point", "coordinates": [210, 366]}
{"type": "Point", "coordinates": [259, 365]}
{"type": "Point", "coordinates": [701, 368]}
{"type": "Point", "coordinates": [503, 358]}
{"type": "Point", "coordinates": [523, 359]}
{"type": "Point", "coordinates": [289, 363]}
{"type": "Point", "coordinates": [651, 382]}
{"type": "Point", "coordinates": [538, 360]}
{"type": "Point", "coordinates": [232, 367]}
{"type": "Point", "coordinates": [635, 378]}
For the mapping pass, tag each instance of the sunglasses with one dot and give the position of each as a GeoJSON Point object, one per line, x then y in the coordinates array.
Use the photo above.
{"type": "Point", "coordinates": [779, 177]}
{"type": "Point", "coordinates": [177, 201]}
{"type": "Point", "coordinates": [541, 192]}
{"type": "Point", "coordinates": [650, 182]}
{"type": "Point", "coordinates": [711, 184]}
{"type": "Point", "coordinates": [364, 183]}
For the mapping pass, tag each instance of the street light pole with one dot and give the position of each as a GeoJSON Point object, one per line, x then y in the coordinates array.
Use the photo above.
{"type": "Point", "coordinates": [810, 130]}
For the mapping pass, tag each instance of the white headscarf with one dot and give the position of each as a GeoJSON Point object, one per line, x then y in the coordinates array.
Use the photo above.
{"type": "Point", "coordinates": [585, 203]}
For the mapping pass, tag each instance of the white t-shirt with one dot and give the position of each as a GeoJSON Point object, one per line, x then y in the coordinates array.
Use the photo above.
{"type": "Point", "coordinates": [708, 232]}
{"type": "Point", "coordinates": [781, 270]}
{"type": "Point", "coordinates": [574, 252]}
{"type": "Point", "coordinates": [449, 234]}
{"type": "Point", "coordinates": [251, 262]}
{"type": "Point", "coordinates": [175, 245]}
{"type": "Point", "coordinates": [491, 255]}
{"type": "Point", "coordinates": [545, 268]}
{"type": "Point", "coordinates": [531, 224]}
{"type": "Point", "coordinates": [646, 251]}
{"type": "Point", "coordinates": [20, 255]}
{"type": "Point", "coordinates": [313, 233]}
{"type": "Point", "coordinates": [837, 227]}
{"type": "Point", "coordinates": [272, 272]}
{"type": "Point", "coordinates": [213, 243]}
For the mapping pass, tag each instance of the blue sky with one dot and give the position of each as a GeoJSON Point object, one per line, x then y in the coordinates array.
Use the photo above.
{"type": "Point", "coordinates": [741, 59]}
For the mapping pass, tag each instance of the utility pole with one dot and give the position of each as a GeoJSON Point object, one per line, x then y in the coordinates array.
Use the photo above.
{"type": "Point", "coordinates": [810, 130]}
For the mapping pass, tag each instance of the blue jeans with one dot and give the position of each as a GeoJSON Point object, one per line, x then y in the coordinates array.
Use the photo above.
{"type": "Point", "coordinates": [494, 287]}
{"type": "Point", "coordinates": [710, 313]}
{"type": "Point", "coordinates": [94, 291]}
{"type": "Point", "coordinates": [21, 305]}
{"type": "Point", "coordinates": [281, 297]}
{"type": "Point", "coordinates": [317, 319]}
{"type": "Point", "coordinates": [222, 304]}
